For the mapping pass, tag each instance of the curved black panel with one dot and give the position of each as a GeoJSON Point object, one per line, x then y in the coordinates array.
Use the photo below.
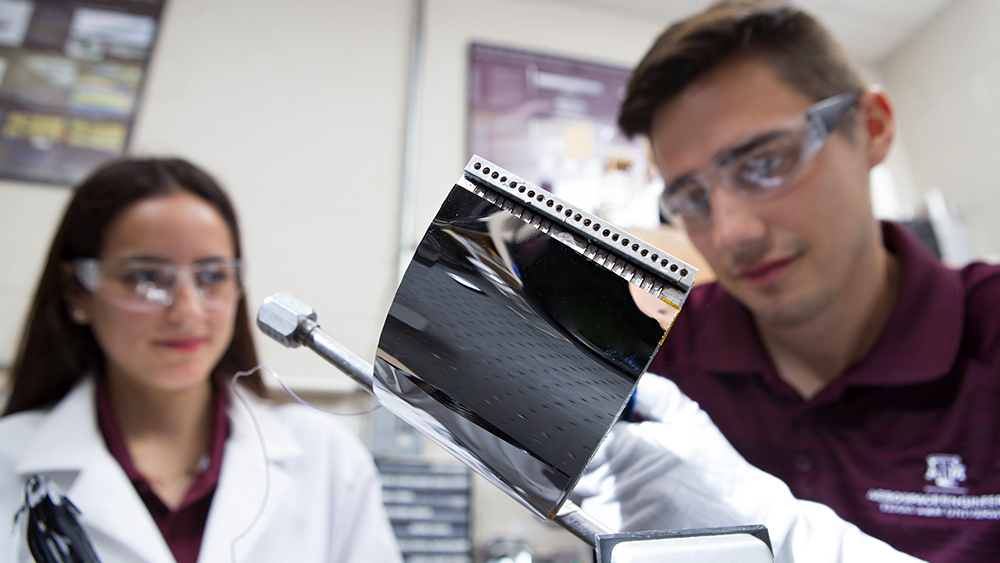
{"type": "Point", "coordinates": [511, 349]}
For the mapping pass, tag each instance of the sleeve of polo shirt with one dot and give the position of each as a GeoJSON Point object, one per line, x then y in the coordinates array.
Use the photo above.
{"type": "Point", "coordinates": [678, 471]}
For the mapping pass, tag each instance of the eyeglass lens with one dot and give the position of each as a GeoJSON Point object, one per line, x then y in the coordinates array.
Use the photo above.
{"type": "Point", "coordinates": [153, 284]}
{"type": "Point", "coordinates": [761, 167]}
{"type": "Point", "coordinates": [762, 170]}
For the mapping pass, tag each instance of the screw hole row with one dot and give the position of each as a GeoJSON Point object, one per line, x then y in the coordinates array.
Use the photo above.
{"type": "Point", "coordinates": [578, 217]}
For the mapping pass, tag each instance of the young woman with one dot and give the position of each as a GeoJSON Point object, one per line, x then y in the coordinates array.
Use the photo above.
{"type": "Point", "coordinates": [120, 394]}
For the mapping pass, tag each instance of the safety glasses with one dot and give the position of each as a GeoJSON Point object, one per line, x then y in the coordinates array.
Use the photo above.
{"type": "Point", "coordinates": [144, 284]}
{"type": "Point", "coordinates": [760, 167]}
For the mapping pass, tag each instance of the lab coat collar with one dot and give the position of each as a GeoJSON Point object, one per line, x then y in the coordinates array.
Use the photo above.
{"type": "Point", "coordinates": [69, 448]}
{"type": "Point", "coordinates": [243, 483]}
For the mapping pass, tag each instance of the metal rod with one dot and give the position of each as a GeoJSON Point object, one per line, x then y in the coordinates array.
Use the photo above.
{"type": "Point", "coordinates": [337, 354]}
{"type": "Point", "coordinates": [582, 525]}
{"type": "Point", "coordinates": [293, 323]}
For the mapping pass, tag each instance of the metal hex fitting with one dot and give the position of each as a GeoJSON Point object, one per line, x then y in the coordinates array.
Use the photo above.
{"type": "Point", "coordinates": [281, 316]}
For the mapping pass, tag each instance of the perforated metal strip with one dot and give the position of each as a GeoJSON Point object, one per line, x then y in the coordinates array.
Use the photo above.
{"type": "Point", "coordinates": [634, 260]}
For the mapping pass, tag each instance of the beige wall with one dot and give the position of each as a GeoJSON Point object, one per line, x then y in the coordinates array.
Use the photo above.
{"type": "Point", "coordinates": [547, 27]}
{"type": "Point", "coordinates": [28, 214]}
{"type": "Point", "coordinates": [298, 108]}
{"type": "Point", "coordinates": [946, 85]}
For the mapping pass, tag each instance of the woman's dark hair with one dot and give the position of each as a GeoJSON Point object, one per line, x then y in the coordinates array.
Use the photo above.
{"type": "Point", "coordinates": [54, 352]}
{"type": "Point", "coordinates": [798, 48]}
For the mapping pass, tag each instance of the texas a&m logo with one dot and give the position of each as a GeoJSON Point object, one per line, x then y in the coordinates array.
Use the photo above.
{"type": "Point", "coordinates": [947, 471]}
{"type": "Point", "coordinates": [945, 498]}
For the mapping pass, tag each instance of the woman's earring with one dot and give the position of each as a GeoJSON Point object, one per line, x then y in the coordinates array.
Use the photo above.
{"type": "Point", "coordinates": [78, 314]}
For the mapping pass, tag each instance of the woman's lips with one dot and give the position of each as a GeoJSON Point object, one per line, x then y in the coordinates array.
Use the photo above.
{"type": "Point", "coordinates": [762, 273]}
{"type": "Point", "coordinates": [183, 344]}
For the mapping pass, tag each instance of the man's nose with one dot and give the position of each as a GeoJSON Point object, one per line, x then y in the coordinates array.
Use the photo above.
{"type": "Point", "coordinates": [735, 225]}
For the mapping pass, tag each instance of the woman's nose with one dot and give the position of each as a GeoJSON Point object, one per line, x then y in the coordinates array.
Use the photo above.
{"type": "Point", "coordinates": [187, 299]}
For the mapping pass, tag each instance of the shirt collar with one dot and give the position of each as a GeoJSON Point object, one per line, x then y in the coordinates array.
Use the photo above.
{"type": "Point", "coordinates": [920, 341]}
{"type": "Point", "coordinates": [207, 478]}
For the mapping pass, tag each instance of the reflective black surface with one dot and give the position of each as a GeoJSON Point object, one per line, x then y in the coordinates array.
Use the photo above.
{"type": "Point", "coordinates": [511, 350]}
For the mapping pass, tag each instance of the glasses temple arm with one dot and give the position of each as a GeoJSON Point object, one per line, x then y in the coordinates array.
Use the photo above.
{"type": "Point", "coordinates": [827, 113]}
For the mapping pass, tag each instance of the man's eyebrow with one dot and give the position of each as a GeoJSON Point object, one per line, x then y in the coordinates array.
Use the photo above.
{"type": "Point", "coordinates": [680, 181]}
{"type": "Point", "coordinates": [730, 154]}
{"type": "Point", "coordinates": [212, 259]}
{"type": "Point", "coordinates": [734, 152]}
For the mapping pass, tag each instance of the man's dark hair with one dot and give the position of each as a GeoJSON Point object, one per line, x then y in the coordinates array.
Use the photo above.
{"type": "Point", "coordinates": [802, 53]}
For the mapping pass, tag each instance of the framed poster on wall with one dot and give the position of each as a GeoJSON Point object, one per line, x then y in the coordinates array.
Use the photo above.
{"type": "Point", "coordinates": [553, 121]}
{"type": "Point", "coordinates": [71, 74]}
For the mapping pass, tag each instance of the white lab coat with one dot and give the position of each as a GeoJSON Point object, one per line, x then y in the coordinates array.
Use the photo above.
{"type": "Point", "coordinates": [678, 471]}
{"type": "Point", "coordinates": [324, 505]}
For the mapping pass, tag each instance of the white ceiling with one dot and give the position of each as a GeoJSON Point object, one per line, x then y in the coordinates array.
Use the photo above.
{"type": "Point", "coordinates": [870, 30]}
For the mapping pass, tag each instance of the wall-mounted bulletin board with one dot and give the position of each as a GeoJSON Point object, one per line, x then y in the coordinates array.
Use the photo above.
{"type": "Point", "coordinates": [71, 74]}
{"type": "Point", "coordinates": [554, 122]}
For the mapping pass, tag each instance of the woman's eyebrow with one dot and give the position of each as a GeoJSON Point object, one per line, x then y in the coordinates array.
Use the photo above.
{"type": "Point", "coordinates": [144, 260]}
{"type": "Point", "coordinates": [159, 260]}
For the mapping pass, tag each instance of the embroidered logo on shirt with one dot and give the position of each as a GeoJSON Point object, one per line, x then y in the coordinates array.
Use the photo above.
{"type": "Point", "coordinates": [944, 499]}
{"type": "Point", "coordinates": [947, 471]}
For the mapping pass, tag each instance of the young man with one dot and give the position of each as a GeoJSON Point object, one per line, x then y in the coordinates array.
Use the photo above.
{"type": "Point", "coordinates": [834, 352]}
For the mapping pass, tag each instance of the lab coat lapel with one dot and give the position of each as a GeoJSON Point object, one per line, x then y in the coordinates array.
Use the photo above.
{"type": "Point", "coordinates": [242, 482]}
{"type": "Point", "coordinates": [69, 449]}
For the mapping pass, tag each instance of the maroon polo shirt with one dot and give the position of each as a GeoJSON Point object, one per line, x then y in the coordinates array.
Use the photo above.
{"type": "Point", "coordinates": [905, 443]}
{"type": "Point", "coordinates": [182, 528]}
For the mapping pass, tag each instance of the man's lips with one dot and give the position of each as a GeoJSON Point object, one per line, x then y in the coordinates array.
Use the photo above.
{"type": "Point", "coordinates": [764, 272]}
{"type": "Point", "coordinates": [183, 344]}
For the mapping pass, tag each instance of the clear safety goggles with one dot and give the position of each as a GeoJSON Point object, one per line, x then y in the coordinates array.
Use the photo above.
{"type": "Point", "coordinates": [760, 167]}
{"type": "Point", "coordinates": [148, 285]}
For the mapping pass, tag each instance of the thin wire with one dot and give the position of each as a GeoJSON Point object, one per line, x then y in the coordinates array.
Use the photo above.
{"type": "Point", "coordinates": [267, 461]}
{"type": "Point", "coordinates": [299, 399]}
{"type": "Point", "coordinates": [263, 447]}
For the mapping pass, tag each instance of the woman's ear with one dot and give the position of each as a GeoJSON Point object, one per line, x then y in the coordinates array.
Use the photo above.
{"type": "Point", "coordinates": [77, 298]}
{"type": "Point", "coordinates": [878, 122]}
